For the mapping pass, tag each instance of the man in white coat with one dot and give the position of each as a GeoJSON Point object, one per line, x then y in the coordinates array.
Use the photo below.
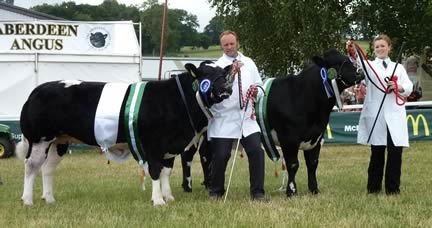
{"type": "Point", "coordinates": [230, 122]}
{"type": "Point", "coordinates": [391, 129]}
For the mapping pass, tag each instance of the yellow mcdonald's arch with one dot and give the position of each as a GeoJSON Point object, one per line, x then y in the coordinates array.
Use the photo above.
{"type": "Point", "coordinates": [415, 123]}
{"type": "Point", "coordinates": [329, 133]}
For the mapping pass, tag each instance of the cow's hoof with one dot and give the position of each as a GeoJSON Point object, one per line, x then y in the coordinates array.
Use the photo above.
{"type": "Point", "coordinates": [169, 198]}
{"type": "Point", "coordinates": [27, 202]}
{"type": "Point", "coordinates": [48, 199]}
{"type": "Point", "coordinates": [143, 187]}
{"type": "Point", "coordinates": [158, 202]}
{"type": "Point", "coordinates": [291, 189]}
{"type": "Point", "coordinates": [205, 184]}
{"type": "Point", "coordinates": [186, 189]}
{"type": "Point", "coordinates": [291, 194]}
{"type": "Point", "coordinates": [314, 192]}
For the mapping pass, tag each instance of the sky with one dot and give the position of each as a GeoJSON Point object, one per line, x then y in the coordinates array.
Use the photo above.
{"type": "Point", "coordinates": [200, 8]}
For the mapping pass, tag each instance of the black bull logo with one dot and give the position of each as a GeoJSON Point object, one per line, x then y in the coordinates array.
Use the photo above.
{"type": "Point", "coordinates": [97, 39]}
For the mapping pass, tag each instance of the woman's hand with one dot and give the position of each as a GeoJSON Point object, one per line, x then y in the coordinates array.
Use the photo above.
{"type": "Point", "coordinates": [348, 44]}
{"type": "Point", "coordinates": [392, 86]}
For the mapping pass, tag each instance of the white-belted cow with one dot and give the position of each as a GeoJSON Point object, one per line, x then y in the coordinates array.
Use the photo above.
{"type": "Point", "coordinates": [161, 117]}
{"type": "Point", "coordinates": [295, 113]}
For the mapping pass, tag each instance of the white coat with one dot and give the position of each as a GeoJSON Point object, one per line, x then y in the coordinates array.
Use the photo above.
{"type": "Point", "coordinates": [391, 116]}
{"type": "Point", "coordinates": [227, 116]}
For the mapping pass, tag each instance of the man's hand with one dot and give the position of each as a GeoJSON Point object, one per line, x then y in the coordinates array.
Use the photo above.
{"type": "Point", "coordinates": [255, 92]}
{"type": "Point", "coordinates": [235, 67]}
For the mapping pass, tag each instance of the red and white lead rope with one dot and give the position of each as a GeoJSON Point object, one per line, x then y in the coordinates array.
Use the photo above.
{"type": "Point", "coordinates": [399, 99]}
{"type": "Point", "coordinates": [250, 94]}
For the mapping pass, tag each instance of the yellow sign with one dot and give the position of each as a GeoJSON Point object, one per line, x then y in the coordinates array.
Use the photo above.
{"type": "Point", "coordinates": [329, 133]}
{"type": "Point", "coordinates": [415, 123]}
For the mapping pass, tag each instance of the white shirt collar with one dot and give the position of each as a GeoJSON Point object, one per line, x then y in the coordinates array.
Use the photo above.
{"type": "Point", "coordinates": [239, 56]}
{"type": "Point", "coordinates": [386, 60]}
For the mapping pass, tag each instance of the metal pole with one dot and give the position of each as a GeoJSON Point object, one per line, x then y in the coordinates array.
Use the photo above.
{"type": "Point", "coordinates": [140, 52]}
{"type": "Point", "coordinates": [162, 39]}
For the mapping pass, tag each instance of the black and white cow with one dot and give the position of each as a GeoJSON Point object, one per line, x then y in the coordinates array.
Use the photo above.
{"type": "Point", "coordinates": [298, 111]}
{"type": "Point", "coordinates": [59, 113]}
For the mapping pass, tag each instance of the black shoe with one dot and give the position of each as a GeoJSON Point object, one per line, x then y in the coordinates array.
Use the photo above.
{"type": "Point", "coordinates": [215, 197]}
{"type": "Point", "coordinates": [392, 192]}
{"type": "Point", "coordinates": [260, 198]}
{"type": "Point", "coordinates": [374, 191]}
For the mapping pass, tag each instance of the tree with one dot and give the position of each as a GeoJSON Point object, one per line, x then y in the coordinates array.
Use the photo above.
{"type": "Point", "coordinates": [180, 29]}
{"type": "Point", "coordinates": [181, 26]}
{"type": "Point", "coordinates": [109, 10]}
{"type": "Point", "coordinates": [186, 24]}
{"type": "Point", "coordinates": [401, 20]}
{"type": "Point", "coordinates": [214, 29]}
{"type": "Point", "coordinates": [204, 41]}
{"type": "Point", "coordinates": [282, 35]}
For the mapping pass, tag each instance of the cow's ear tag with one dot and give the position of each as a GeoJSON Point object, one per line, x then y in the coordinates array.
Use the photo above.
{"type": "Point", "coordinates": [195, 85]}
{"type": "Point", "coordinates": [204, 86]}
{"type": "Point", "coordinates": [331, 73]}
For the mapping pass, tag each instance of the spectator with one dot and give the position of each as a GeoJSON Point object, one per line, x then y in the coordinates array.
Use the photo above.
{"type": "Point", "coordinates": [360, 92]}
{"type": "Point", "coordinates": [411, 65]}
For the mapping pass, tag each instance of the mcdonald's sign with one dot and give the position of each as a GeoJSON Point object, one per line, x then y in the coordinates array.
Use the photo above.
{"type": "Point", "coordinates": [343, 126]}
{"type": "Point", "coordinates": [415, 123]}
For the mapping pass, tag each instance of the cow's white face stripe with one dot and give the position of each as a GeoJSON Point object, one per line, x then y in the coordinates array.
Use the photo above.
{"type": "Point", "coordinates": [212, 65]}
{"type": "Point", "coordinates": [69, 83]}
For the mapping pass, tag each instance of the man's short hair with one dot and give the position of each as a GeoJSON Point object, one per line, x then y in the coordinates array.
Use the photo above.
{"type": "Point", "coordinates": [228, 32]}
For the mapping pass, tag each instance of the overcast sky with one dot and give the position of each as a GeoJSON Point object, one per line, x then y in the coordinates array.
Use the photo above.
{"type": "Point", "coordinates": [200, 8]}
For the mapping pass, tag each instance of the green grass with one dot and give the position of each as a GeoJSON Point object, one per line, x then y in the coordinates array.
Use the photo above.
{"type": "Point", "coordinates": [213, 52]}
{"type": "Point", "coordinates": [364, 44]}
{"type": "Point", "coordinates": [90, 193]}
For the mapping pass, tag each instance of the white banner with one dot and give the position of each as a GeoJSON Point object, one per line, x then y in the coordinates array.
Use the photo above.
{"type": "Point", "coordinates": [107, 38]}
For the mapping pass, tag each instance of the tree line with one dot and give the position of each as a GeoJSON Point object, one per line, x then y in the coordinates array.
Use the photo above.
{"type": "Point", "coordinates": [181, 26]}
{"type": "Point", "coordinates": [280, 35]}
{"type": "Point", "coordinates": [283, 34]}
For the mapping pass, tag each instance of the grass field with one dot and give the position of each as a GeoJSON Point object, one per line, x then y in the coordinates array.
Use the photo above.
{"type": "Point", "coordinates": [213, 52]}
{"type": "Point", "coordinates": [90, 193]}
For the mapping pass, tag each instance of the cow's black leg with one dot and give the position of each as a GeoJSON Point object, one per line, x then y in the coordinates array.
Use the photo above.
{"type": "Point", "coordinates": [186, 159]}
{"type": "Point", "coordinates": [291, 159]}
{"type": "Point", "coordinates": [205, 157]}
{"type": "Point", "coordinates": [62, 149]}
{"type": "Point", "coordinates": [312, 159]}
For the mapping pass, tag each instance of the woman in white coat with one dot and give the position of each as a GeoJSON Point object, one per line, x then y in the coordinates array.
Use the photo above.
{"type": "Point", "coordinates": [391, 129]}
{"type": "Point", "coordinates": [230, 122]}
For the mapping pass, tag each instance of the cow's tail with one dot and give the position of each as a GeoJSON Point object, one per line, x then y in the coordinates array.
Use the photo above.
{"type": "Point", "coordinates": [22, 148]}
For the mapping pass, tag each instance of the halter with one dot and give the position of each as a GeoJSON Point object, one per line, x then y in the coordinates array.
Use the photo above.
{"type": "Point", "coordinates": [202, 94]}
{"type": "Point", "coordinates": [328, 75]}
{"type": "Point", "coordinates": [339, 75]}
